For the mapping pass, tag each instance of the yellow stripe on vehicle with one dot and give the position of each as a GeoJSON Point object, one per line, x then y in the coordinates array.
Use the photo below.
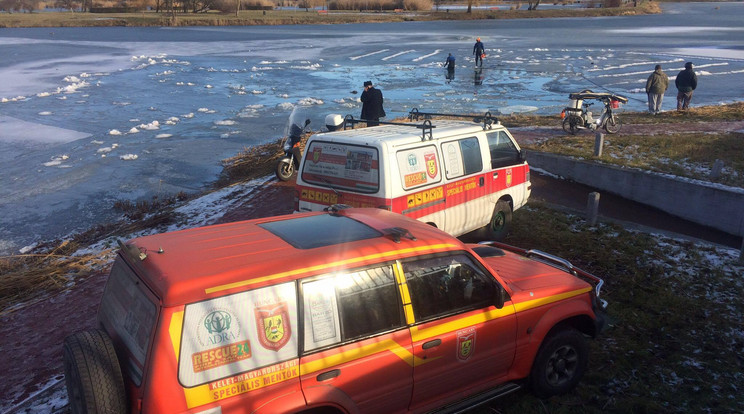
{"type": "Point", "coordinates": [362, 352]}
{"type": "Point", "coordinates": [523, 306]}
{"type": "Point", "coordinates": [405, 295]}
{"type": "Point", "coordinates": [174, 329]}
{"type": "Point", "coordinates": [394, 253]}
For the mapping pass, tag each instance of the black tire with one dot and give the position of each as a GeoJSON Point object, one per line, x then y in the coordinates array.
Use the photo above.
{"type": "Point", "coordinates": [93, 375]}
{"type": "Point", "coordinates": [560, 363]}
{"type": "Point", "coordinates": [500, 223]}
{"type": "Point", "coordinates": [571, 124]}
{"type": "Point", "coordinates": [284, 169]}
{"type": "Point", "coordinates": [613, 125]}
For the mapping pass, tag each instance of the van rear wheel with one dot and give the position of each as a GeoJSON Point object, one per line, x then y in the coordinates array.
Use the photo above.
{"type": "Point", "coordinates": [498, 227]}
{"type": "Point", "coordinates": [92, 374]}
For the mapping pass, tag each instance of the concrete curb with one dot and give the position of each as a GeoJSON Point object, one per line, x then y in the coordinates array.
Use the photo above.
{"type": "Point", "coordinates": [709, 204]}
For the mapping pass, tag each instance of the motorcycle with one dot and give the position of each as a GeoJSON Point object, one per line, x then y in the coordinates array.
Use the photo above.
{"type": "Point", "coordinates": [296, 127]}
{"type": "Point", "coordinates": [577, 116]}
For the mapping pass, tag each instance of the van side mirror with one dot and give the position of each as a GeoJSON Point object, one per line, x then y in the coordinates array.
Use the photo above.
{"type": "Point", "coordinates": [522, 155]}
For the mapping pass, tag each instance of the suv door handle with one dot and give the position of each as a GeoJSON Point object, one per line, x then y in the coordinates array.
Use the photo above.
{"type": "Point", "coordinates": [432, 344]}
{"type": "Point", "coordinates": [328, 375]}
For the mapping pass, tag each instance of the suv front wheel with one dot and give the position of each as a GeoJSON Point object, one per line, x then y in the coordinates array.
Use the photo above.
{"type": "Point", "coordinates": [92, 374]}
{"type": "Point", "coordinates": [560, 363]}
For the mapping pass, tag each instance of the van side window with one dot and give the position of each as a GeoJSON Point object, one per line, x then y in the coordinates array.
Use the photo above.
{"type": "Point", "coordinates": [345, 306]}
{"type": "Point", "coordinates": [445, 285]}
{"type": "Point", "coordinates": [462, 157]}
{"type": "Point", "coordinates": [502, 149]}
{"type": "Point", "coordinates": [419, 166]}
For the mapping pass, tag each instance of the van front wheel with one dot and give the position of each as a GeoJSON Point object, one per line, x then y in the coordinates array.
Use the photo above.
{"type": "Point", "coordinates": [500, 222]}
{"type": "Point", "coordinates": [92, 374]}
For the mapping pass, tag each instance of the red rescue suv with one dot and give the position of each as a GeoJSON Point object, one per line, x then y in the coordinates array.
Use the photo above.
{"type": "Point", "coordinates": [347, 311]}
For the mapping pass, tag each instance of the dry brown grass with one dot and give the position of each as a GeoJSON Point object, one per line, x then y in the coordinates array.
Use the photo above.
{"type": "Point", "coordinates": [27, 278]}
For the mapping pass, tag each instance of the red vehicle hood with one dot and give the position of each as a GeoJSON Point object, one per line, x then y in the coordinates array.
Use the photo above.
{"type": "Point", "coordinates": [529, 279]}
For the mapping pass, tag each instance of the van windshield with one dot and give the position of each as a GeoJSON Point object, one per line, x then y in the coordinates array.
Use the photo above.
{"type": "Point", "coordinates": [342, 166]}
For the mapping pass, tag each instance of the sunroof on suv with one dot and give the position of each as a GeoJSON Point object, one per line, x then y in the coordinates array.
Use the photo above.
{"type": "Point", "coordinates": [303, 233]}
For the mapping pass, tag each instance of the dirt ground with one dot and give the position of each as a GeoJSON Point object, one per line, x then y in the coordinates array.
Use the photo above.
{"type": "Point", "coordinates": [33, 334]}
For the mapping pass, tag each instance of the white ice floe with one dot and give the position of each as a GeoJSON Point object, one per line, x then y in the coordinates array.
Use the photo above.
{"type": "Point", "coordinates": [162, 136]}
{"type": "Point", "coordinates": [114, 132]}
{"type": "Point", "coordinates": [45, 113]}
{"type": "Point", "coordinates": [43, 94]}
{"type": "Point", "coordinates": [151, 126]}
{"type": "Point", "coordinates": [128, 157]}
{"type": "Point", "coordinates": [133, 130]}
{"type": "Point", "coordinates": [310, 101]}
{"type": "Point", "coordinates": [96, 142]}
{"type": "Point", "coordinates": [57, 160]}
{"type": "Point", "coordinates": [225, 122]}
{"type": "Point", "coordinates": [104, 150]}
{"type": "Point", "coordinates": [188, 115]}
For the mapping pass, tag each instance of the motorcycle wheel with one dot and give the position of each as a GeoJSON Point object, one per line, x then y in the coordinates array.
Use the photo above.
{"type": "Point", "coordinates": [612, 125]}
{"type": "Point", "coordinates": [571, 124]}
{"type": "Point", "coordinates": [284, 169]}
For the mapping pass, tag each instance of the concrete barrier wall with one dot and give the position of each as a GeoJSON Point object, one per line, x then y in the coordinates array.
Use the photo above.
{"type": "Point", "coordinates": [708, 204]}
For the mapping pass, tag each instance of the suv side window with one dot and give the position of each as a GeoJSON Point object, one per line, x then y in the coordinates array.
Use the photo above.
{"type": "Point", "coordinates": [447, 284]}
{"type": "Point", "coordinates": [502, 149]}
{"type": "Point", "coordinates": [346, 306]}
{"type": "Point", "coordinates": [462, 157]}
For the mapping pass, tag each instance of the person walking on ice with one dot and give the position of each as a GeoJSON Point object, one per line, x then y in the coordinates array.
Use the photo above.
{"type": "Point", "coordinates": [479, 51]}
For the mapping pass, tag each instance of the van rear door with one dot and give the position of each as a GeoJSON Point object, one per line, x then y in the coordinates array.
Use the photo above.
{"type": "Point", "coordinates": [339, 173]}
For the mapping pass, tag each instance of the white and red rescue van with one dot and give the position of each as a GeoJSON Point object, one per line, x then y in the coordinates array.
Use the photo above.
{"type": "Point", "coordinates": [456, 175]}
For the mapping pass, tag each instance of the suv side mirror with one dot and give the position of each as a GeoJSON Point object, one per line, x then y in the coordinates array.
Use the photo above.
{"type": "Point", "coordinates": [499, 297]}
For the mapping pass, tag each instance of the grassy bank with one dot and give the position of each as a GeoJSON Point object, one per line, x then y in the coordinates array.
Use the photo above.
{"type": "Point", "coordinates": [299, 16]}
{"type": "Point", "coordinates": [675, 337]}
{"type": "Point", "coordinates": [673, 150]}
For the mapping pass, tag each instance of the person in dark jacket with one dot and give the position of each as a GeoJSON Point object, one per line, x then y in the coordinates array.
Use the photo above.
{"type": "Point", "coordinates": [372, 100]}
{"type": "Point", "coordinates": [478, 51]}
{"type": "Point", "coordinates": [450, 64]}
{"type": "Point", "coordinates": [656, 85]}
{"type": "Point", "coordinates": [686, 82]}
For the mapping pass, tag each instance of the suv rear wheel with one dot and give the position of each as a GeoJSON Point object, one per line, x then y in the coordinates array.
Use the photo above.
{"type": "Point", "coordinates": [560, 363]}
{"type": "Point", "coordinates": [92, 374]}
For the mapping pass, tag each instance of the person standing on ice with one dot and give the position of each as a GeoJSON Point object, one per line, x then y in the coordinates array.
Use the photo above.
{"type": "Point", "coordinates": [372, 100]}
{"type": "Point", "coordinates": [450, 65]}
{"type": "Point", "coordinates": [479, 50]}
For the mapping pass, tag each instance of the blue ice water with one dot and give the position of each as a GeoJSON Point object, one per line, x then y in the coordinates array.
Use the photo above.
{"type": "Point", "coordinates": [89, 116]}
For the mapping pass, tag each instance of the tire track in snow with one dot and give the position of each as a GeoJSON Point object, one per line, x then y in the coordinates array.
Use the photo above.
{"type": "Point", "coordinates": [398, 54]}
{"type": "Point", "coordinates": [368, 54]}
{"type": "Point", "coordinates": [420, 58]}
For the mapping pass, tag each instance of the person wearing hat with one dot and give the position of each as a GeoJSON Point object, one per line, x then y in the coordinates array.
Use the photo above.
{"type": "Point", "coordinates": [656, 85]}
{"type": "Point", "coordinates": [478, 51]}
{"type": "Point", "coordinates": [686, 82]}
{"type": "Point", "coordinates": [372, 100]}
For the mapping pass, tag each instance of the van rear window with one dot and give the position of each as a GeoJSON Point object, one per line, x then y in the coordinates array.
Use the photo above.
{"type": "Point", "coordinates": [342, 167]}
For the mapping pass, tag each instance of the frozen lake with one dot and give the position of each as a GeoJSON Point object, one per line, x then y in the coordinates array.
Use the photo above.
{"type": "Point", "coordinates": [93, 115]}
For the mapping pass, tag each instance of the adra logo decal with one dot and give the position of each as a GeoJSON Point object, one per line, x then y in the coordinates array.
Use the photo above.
{"type": "Point", "coordinates": [218, 327]}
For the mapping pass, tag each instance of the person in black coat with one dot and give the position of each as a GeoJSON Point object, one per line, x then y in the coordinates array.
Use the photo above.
{"type": "Point", "coordinates": [686, 82]}
{"type": "Point", "coordinates": [371, 104]}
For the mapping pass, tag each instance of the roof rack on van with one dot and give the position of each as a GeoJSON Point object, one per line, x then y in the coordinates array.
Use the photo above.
{"type": "Point", "coordinates": [487, 119]}
{"type": "Point", "coordinates": [425, 126]}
